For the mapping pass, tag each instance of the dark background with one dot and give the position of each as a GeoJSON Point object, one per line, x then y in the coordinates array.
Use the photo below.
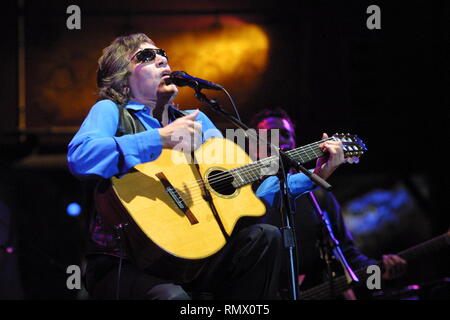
{"type": "Point", "coordinates": [325, 67]}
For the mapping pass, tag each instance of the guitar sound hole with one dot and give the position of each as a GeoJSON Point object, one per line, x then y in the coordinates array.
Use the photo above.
{"type": "Point", "coordinates": [220, 182]}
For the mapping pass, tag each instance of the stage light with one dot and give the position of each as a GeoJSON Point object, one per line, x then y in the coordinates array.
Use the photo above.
{"type": "Point", "coordinates": [223, 52]}
{"type": "Point", "coordinates": [73, 209]}
{"type": "Point", "coordinates": [231, 52]}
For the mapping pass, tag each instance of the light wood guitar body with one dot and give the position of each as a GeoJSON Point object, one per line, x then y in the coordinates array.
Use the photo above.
{"type": "Point", "coordinates": [153, 209]}
{"type": "Point", "coordinates": [185, 207]}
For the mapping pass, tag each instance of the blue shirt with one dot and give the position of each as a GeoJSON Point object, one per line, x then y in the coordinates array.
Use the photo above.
{"type": "Point", "coordinates": [269, 190]}
{"type": "Point", "coordinates": [95, 151]}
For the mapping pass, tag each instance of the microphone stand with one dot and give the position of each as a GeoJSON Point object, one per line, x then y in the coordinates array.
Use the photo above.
{"type": "Point", "coordinates": [329, 247]}
{"type": "Point", "coordinates": [289, 240]}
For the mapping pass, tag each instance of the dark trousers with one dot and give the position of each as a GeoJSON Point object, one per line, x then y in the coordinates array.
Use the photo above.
{"type": "Point", "coordinates": [246, 268]}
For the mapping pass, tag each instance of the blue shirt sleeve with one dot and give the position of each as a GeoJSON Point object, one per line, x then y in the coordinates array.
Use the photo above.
{"type": "Point", "coordinates": [95, 151]}
{"type": "Point", "coordinates": [298, 184]}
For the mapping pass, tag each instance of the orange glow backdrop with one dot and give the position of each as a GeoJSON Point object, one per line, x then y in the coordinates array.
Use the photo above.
{"type": "Point", "coordinates": [61, 66]}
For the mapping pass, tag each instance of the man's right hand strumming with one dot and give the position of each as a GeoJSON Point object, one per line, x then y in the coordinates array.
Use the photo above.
{"type": "Point", "coordinates": [181, 132]}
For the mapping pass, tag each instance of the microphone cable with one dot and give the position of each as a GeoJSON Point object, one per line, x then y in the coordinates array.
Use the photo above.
{"type": "Point", "coordinates": [232, 102]}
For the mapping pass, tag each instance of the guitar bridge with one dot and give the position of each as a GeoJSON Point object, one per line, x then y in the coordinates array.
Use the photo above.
{"type": "Point", "coordinates": [176, 198]}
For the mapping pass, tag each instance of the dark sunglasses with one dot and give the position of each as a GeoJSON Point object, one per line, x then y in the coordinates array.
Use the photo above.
{"type": "Point", "coordinates": [149, 54]}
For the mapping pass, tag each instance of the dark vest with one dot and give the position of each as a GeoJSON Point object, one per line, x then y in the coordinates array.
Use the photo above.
{"type": "Point", "coordinates": [102, 239]}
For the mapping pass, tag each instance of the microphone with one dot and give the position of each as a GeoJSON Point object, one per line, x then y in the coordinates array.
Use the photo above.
{"type": "Point", "coordinates": [182, 79]}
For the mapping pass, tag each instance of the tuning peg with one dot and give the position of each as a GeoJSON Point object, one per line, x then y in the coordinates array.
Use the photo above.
{"type": "Point", "coordinates": [352, 160]}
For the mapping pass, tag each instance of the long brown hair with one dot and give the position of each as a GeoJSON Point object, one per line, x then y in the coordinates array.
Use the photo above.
{"type": "Point", "coordinates": [113, 71]}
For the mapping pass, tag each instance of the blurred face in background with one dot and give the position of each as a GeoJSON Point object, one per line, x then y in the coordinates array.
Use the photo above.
{"type": "Point", "coordinates": [286, 131]}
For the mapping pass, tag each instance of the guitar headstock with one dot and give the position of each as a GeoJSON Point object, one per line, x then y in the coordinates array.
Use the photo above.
{"type": "Point", "coordinates": [353, 146]}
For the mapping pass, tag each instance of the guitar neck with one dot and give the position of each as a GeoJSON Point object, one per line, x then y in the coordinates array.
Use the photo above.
{"type": "Point", "coordinates": [254, 171]}
{"type": "Point", "coordinates": [428, 246]}
{"type": "Point", "coordinates": [339, 284]}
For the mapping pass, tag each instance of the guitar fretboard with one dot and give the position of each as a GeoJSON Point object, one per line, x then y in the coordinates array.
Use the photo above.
{"type": "Point", "coordinates": [254, 171]}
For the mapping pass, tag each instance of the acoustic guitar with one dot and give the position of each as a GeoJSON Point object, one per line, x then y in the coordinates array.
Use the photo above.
{"type": "Point", "coordinates": [188, 206]}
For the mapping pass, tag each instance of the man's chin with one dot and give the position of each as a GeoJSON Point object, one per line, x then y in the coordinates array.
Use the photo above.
{"type": "Point", "coordinates": [168, 87]}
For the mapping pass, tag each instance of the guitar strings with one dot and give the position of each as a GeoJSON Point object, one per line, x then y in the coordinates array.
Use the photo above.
{"type": "Point", "coordinates": [295, 152]}
{"type": "Point", "coordinates": [304, 150]}
{"type": "Point", "coordinates": [248, 170]}
{"type": "Point", "coordinates": [197, 192]}
{"type": "Point", "coordinates": [196, 187]}
{"type": "Point", "coordinates": [339, 285]}
{"type": "Point", "coordinates": [199, 185]}
{"type": "Point", "coordinates": [323, 290]}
